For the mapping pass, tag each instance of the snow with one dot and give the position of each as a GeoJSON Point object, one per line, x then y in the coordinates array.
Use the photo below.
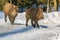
{"type": "Point", "coordinates": [49, 28]}
{"type": "Point", "coordinates": [52, 17]}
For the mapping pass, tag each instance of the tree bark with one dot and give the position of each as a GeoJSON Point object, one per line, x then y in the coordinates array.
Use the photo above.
{"type": "Point", "coordinates": [50, 5]}
{"type": "Point", "coordinates": [55, 5]}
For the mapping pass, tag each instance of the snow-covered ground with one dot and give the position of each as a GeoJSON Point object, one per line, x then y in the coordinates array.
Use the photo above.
{"type": "Point", "coordinates": [49, 28]}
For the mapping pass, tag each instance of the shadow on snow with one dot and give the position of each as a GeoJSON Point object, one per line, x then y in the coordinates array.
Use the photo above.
{"type": "Point", "coordinates": [20, 30]}
{"type": "Point", "coordinates": [43, 26]}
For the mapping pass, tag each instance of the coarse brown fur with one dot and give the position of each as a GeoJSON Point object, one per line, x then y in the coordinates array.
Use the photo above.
{"type": "Point", "coordinates": [35, 15]}
{"type": "Point", "coordinates": [11, 11]}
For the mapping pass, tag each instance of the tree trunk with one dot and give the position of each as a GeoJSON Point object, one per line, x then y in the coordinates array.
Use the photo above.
{"type": "Point", "coordinates": [55, 5]}
{"type": "Point", "coordinates": [50, 5]}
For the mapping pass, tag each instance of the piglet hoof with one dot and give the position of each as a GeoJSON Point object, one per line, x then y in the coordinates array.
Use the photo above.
{"type": "Point", "coordinates": [12, 23]}
{"type": "Point", "coordinates": [26, 25]}
{"type": "Point", "coordinates": [34, 25]}
{"type": "Point", "coordinates": [38, 26]}
{"type": "Point", "coordinates": [5, 21]}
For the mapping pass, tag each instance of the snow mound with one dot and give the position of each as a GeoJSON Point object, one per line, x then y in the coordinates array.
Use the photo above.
{"type": "Point", "coordinates": [21, 32]}
{"type": "Point", "coordinates": [52, 17]}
